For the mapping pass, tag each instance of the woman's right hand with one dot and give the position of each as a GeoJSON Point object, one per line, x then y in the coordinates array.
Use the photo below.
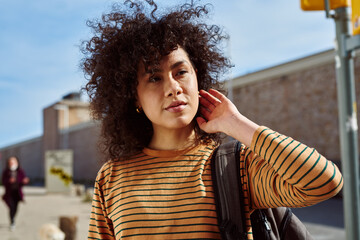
{"type": "Point", "coordinates": [219, 114]}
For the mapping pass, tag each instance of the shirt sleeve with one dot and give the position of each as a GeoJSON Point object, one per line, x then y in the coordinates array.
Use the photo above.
{"type": "Point", "coordinates": [100, 226]}
{"type": "Point", "coordinates": [281, 171]}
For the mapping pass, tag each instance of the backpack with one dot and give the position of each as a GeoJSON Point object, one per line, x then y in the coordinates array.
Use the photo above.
{"type": "Point", "coordinates": [272, 223]}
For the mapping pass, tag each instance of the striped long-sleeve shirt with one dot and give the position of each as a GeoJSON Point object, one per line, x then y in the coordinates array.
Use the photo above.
{"type": "Point", "coordinates": [169, 194]}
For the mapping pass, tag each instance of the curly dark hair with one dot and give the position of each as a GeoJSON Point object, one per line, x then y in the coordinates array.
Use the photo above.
{"type": "Point", "coordinates": [132, 33]}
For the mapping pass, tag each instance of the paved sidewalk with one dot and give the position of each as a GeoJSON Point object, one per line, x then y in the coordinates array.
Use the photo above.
{"type": "Point", "coordinates": [40, 208]}
{"type": "Point", "coordinates": [324, 220]}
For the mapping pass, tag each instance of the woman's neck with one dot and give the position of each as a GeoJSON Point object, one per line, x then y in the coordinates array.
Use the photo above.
{"type": "Point", "coordinates": [174, 139]}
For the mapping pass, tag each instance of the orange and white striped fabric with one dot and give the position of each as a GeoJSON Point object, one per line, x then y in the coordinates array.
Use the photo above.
{"type": "Point", "coordinates": [169, 194]}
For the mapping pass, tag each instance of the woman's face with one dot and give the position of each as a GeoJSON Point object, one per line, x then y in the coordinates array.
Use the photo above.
{"type": "Point", "coordinates": [169, 96]}
{"type": "Point", "coordinates": [13, 163]}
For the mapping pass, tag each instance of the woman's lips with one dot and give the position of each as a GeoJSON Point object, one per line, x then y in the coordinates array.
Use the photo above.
{"type": "Point", "coordinates": [176, 109]}
{"type": "Point", "coordinates": [177, 106]}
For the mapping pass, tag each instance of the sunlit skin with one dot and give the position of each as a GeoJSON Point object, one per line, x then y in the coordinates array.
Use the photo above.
{"type": "Point", "coordinates": [170, 99]}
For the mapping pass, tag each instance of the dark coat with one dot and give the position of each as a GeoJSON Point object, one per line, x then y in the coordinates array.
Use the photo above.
{"type": "Point", "coordinates": [9, 194]}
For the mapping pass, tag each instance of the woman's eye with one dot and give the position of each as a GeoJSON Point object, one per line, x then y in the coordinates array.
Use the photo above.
{"type": "Point", "coordinates": [154, 79]}
{"type": "Point", "coordinates": [182, 72]}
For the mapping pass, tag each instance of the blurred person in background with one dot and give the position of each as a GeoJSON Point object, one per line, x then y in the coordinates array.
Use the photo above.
{"type": "Point", "coordinates": [13, 179]}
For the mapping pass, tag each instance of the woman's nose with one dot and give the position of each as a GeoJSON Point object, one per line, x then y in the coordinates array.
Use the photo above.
{"type": "Point", "coordinates": [172, 87]}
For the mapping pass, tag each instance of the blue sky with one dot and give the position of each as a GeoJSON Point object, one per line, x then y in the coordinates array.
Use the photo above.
{"type": "Point", "coordinates": [39, 48]}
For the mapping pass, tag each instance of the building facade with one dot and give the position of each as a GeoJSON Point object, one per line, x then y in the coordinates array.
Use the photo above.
{"type": "Point", "coordinates": [298, 99]}
{"type": "Point", "coordinates": [66, 125]}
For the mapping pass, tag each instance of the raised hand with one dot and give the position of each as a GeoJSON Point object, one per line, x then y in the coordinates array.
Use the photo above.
{"type": "Point", "coordinates": [215, 109]}
{"type": "Point", "coordinates": [219, 114]}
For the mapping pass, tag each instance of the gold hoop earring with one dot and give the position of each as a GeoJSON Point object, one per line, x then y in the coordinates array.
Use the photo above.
{"type": "Point", "coordinates": [138, 109]}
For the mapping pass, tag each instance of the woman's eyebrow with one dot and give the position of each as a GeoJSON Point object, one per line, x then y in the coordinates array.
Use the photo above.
{"type": "Point", "coordinates": [175, 65]}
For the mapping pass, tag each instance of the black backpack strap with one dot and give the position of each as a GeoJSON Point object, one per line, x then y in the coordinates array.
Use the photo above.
{"type": "Point", "coordinates": [285, 223]}
{"type": "Point", "coordinates": [225, 167]}
{"type": "Point", "coordinates": [271, 223]}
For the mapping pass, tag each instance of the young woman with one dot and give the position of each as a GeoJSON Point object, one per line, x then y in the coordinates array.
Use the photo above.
{"type": "Point", "coordinates": [13, 179]}
{"type": "Point", "coordinates": [152, 80]}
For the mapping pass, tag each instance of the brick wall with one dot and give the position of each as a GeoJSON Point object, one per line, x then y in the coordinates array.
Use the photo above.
{"type": "Point", "coordinates": [301, 104]}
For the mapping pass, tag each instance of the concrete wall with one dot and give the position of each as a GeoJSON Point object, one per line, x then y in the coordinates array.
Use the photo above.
{"type": "Point", "coordinates": [82, 139]}
{"type": "Point", "coordinates": [30, 155]}
{"type": "Point", "coordinates": [87, 159]}
{"type": "Point", "coordinates": [66, 124]}
{"type": "Point", "coordinates": [50, 129]}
